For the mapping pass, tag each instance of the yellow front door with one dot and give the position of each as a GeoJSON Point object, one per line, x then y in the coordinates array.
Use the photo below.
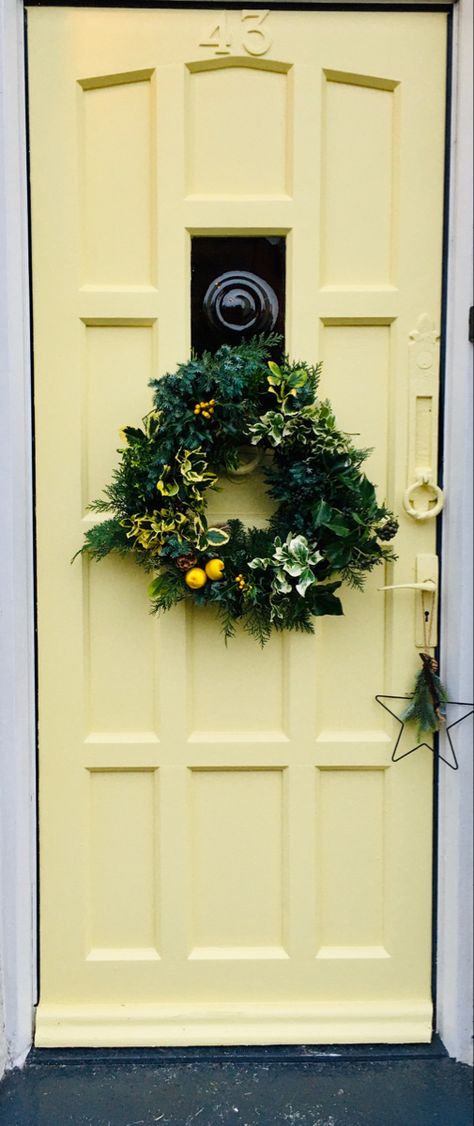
{"type": "Point", "coordinates": [228, 854]}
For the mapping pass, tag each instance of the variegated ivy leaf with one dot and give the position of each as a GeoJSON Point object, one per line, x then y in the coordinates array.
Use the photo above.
{"type": "Point", "coordinates": [271, 426]}
{"type": "Point", "coordinates": [280, 583]}
{"type": "Point", "coordinates": [294, 558]}
{"type": "Point", "coordinates": [277, 611]}
{"type": "Point", "coordinates": [260, 563]}
{"type": "Point", "coordinates": [306, 579]}
{"type": "Point", "coordinates": [296, 554]}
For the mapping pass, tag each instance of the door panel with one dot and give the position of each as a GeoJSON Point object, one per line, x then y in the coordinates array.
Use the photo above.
{"type": "Point", "coordinates": [228, 854]}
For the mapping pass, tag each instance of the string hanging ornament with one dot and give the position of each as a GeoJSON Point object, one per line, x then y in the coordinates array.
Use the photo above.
{"type": "Point", "coordinates": [428, 701]}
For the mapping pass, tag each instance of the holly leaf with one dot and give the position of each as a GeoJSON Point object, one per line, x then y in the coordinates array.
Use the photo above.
{"type": "Point", "coordinates": [338, 553]}
{"type": "Point", "coordinates": [321, 513]}
{"type": "Point", "coordinates": [339, 528]}
{"type": "Point", "coordinates": [132, 433]}
{"type": "Point", "coordinates": [367, 490]}
{"type": "Point", "coordinates": [324, 601]}
{"type": "Point", "coordinates": [167, 489]}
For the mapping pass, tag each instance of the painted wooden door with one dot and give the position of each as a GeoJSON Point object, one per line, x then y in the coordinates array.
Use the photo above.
{"type": "Point", "coordinates": [228, 854]}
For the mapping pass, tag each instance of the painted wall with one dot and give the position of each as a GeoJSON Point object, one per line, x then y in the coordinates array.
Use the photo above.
{"type": "Point", "coordinates": [17, 781]}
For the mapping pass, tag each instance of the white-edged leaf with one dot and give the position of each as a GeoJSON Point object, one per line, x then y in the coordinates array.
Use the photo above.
{"type": "Point", "coordinates": [306, 580]}
{"type": "Point", "coordinates": [216, 537]}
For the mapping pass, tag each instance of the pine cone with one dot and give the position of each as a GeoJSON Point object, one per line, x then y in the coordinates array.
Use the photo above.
{"type": "Point", "coordinates": [388, 529]}
{"type": "Point", "coordinates": [185, 562]}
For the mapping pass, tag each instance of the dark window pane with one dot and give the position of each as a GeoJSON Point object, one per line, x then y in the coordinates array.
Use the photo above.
{"type": "Point", "coordinates": [237, 290]}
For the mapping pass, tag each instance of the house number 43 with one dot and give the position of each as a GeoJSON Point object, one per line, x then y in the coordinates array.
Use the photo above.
{"type": "Point", "coordinates": [251, 35]}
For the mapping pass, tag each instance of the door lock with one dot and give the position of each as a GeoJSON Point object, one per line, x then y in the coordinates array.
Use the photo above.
{"type": "Point", "coordinates": [426, 582]}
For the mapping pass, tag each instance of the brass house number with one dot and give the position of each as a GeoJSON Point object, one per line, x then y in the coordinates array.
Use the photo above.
{"type": "Point", "coordinates": [250, 35]}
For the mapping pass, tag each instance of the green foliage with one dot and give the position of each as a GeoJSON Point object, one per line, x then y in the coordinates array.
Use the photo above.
{"type": "Point", "coordinates": [215, 537]}
{"type": "Point", "coordinates": [103, 538]}
{"type": "Point", "coordinates": [294, 559]}
{"type": "Point", "coordinates": [427, 707]}
{"type": "Point", "coordinates": [166, 590]}
{"type": "Point", "coordinates": [327, 526]}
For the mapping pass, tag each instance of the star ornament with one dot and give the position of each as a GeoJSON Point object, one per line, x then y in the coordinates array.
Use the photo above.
{"type": "Point", "coordinates": [468, 711]}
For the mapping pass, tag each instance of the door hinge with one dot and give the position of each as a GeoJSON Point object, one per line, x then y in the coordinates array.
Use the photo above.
{"type": "Point", "coordinates": [471, 325]}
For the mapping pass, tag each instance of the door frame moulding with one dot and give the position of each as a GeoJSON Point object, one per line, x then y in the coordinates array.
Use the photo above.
{"type": "Point", "coordinates": [306, 5]}
{"type": "Point", "coordinates": [454, 985]}
{"type": "Point", "coordinates": [17, 619]}
{"type": "Point", "coordinates": [17, 651]}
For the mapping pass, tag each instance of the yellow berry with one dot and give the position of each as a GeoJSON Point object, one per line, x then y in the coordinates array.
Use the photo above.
{"type": "Point", "coordinates": [205, 414]}
{"type": "Point", "coordinates": [195, 578]}
{"type": "Point", "coordinates": [215, 569]}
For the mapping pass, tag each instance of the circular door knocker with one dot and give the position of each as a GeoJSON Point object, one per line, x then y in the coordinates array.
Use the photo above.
{"type": "Point", "coordinates": [424, 480]}
{"type": "Point", "coordinates": [239, 301]}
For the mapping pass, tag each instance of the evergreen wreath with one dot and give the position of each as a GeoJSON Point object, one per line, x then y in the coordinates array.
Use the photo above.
{"type": "Point", "coordinates": [327, 526]}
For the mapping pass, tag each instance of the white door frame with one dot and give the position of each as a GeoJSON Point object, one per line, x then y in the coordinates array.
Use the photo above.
{"type": "Point", "coordinates": [17, 653]}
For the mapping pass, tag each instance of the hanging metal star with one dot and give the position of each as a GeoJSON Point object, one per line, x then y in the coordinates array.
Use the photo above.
{"type": "Point", "coordinates": [449, 703]}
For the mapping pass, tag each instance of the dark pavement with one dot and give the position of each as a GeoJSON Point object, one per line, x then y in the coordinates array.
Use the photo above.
{"type": "Point", "coordinates": [239, 1087]}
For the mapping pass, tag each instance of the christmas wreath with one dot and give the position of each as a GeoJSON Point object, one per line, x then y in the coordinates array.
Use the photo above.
{"type": "Point", "coordinates": [327, 526]}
